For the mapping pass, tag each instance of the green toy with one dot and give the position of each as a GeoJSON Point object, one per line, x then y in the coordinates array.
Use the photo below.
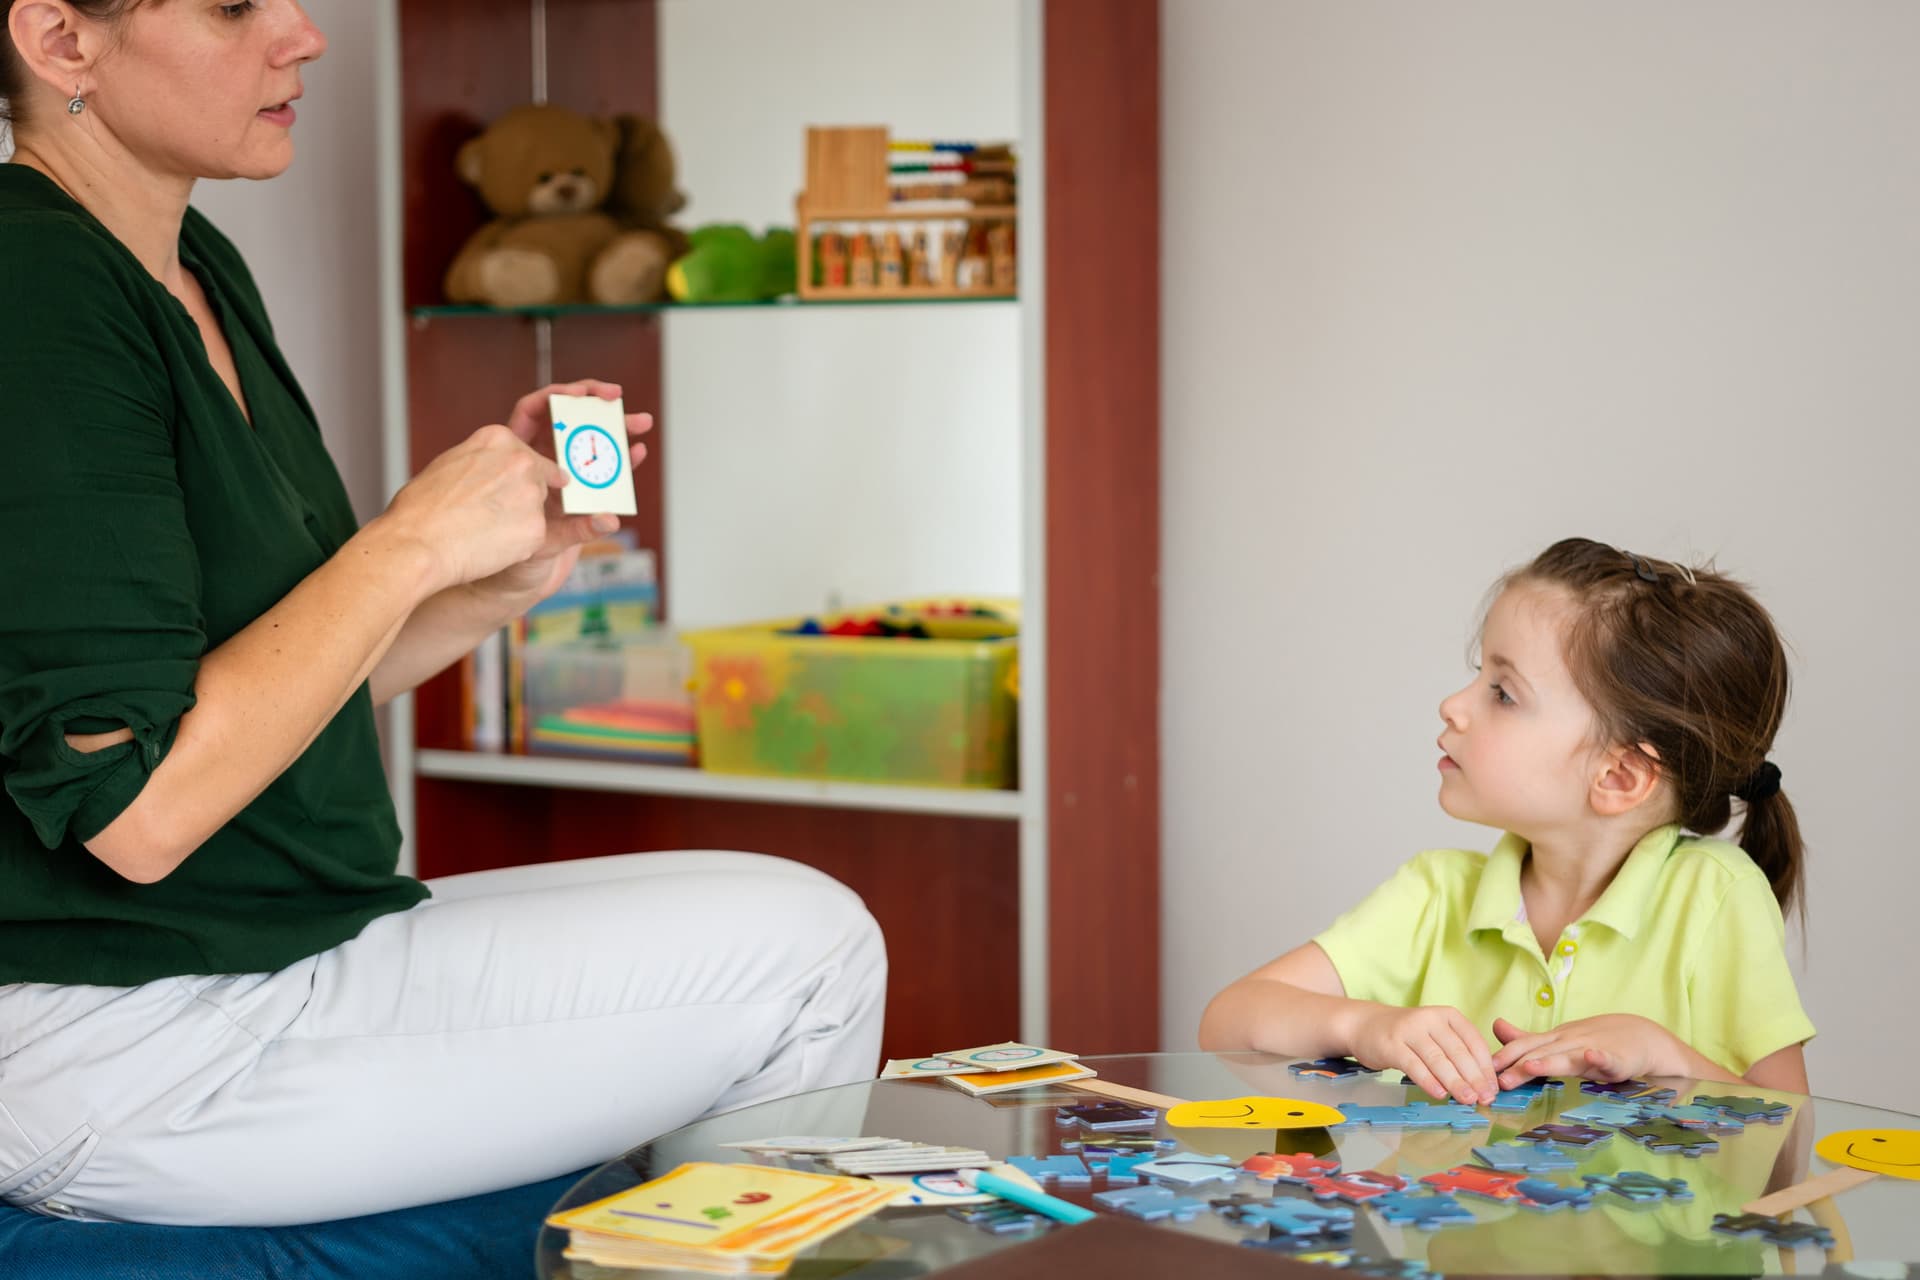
{"type": "Point", "coordinates": [728, 263]}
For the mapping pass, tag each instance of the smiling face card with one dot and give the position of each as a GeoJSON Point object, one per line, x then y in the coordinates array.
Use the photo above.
{"type": "Point", "coordinates": [590, 441]}
{"type": "Point", "coordinates": [1894, 1152]}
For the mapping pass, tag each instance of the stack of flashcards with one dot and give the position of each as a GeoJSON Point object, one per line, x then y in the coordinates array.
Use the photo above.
{"type": "Point", "coordinates": [993, 1068]}
{"type": "Point", "coordinates": [727, 1219]}
{"type": "Point", "coordinates": [908, 1157]}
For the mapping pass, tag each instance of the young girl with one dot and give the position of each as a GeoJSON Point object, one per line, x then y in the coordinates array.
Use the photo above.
{"type": "Point", "coordinates": [1620, 705]}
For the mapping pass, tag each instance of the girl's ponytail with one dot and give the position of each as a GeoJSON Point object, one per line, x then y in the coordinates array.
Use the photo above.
{"type": "Point", "coordinates": [1770, 833]}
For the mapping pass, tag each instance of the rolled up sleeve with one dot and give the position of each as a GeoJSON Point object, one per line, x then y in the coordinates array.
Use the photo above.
{"type": "Point", "coordinates": [100, 625]}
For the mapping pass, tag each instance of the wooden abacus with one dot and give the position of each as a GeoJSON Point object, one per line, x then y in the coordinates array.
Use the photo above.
{"type": "Point", "coordinates": [856, 242]}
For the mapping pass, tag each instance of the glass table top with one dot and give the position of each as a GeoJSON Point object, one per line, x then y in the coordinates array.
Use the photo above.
{"type": "Point", "coordinates": [1875, 1227]}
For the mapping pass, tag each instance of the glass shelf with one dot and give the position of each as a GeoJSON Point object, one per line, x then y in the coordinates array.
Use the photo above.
{"type": "Point", "coordinates": [451, 311]}
{"type": "Point", "coordinates": [617, 775]}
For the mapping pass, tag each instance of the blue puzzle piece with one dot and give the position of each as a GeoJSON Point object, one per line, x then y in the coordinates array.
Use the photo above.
{"type": "Point", "coordinates": [1287, 1216]}
{"type": "Point", "coordinates": [1427, 1212]}
{"type": "Point", "coordinates": [1613, 1115]}
{"type": "Point", "coordinates": [1066, 1170]}
{"type": "Point", "coordinates": [1514, 1158]}
{"type": "Point", "coordinates": [1388, 1268]}
{"type": "Point", "coordinates": [1413, 1115]}
{"type": "Point", "coordinates": [1695, 1116]}
{"type": "Point", "coordinates": [1524, 1095]}
{"type": "Point", "coordinates": [1538, 1193]}
{"type": "Point", "coordinates": [1000, 1218]}
{"type": "Point", "coordinates": [1151, 1203]}
{"type": "Point", "coordinates": [1743, 1107]}
{"type": "Point", "coordinates": [1189, 1169]}
{"type": "Point", "coordinates": [1120, 1168]}
{"type": "Point", "coordinates": [1638, 1187]}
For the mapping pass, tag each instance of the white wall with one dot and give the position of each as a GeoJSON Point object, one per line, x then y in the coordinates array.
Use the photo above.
{"type": "Point", "coordinates": [1445, 283]}
{"type": "Point", "coordinates": [853, 454]}
{"type": "Point", "coordinates": [309, 236]}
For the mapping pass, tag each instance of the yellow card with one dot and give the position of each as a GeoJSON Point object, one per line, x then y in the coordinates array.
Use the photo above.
{"type": "Point", "coordinates": [706, 1205]}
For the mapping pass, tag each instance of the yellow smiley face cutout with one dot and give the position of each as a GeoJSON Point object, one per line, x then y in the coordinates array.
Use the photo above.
{"type": "Point", "coordinates": [1253, 1113]}
{"type": "Point", "coordinates": [1894, 1152]}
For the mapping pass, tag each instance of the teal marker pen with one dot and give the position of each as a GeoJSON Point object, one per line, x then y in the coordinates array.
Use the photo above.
{"type": "Point", "coordinates": [1024, 1196]}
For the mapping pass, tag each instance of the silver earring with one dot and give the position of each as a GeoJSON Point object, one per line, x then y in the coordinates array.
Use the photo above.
{"type": "Point", "coordinates": [76, 104]}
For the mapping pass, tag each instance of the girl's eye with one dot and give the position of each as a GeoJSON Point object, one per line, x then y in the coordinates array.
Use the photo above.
{"type": "Point", "coordinates": [1500, 696]}
{"type": "Point", "coordinates": [236, 10]}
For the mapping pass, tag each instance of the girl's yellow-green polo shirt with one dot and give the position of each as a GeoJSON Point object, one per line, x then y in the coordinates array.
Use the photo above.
{"type": "Point", "coordinates": [1688, 934]}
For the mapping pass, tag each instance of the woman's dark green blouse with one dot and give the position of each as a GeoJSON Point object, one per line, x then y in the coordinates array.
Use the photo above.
{"type": "Point", "coordinates": [142, 523]}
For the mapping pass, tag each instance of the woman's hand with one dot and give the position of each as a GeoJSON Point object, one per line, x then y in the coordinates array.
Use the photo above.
{"type": "Point", "coordinates": [519, 586]}
{"type": "Point", "coordinates": [479, 507]}
{"type": "Point", "coordinates": [1435, 1046]}
{"type": "Point", "coordinates": [1612, 1046]}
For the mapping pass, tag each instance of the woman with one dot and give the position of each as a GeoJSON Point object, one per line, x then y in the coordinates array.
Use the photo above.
{"type": "Point", "coordinates": [222, 1005]}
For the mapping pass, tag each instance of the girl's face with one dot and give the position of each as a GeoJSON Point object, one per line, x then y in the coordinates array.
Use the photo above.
{"type": "Point", "coordinates": [199, 89]}
{"type": "Point", "coordinates": [1519, 740]}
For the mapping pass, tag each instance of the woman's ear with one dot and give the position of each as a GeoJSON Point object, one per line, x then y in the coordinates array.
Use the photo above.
{"type": "Point", "coordinates": [1627, 778]}
{"type": "Point", "coordinates": [55, 43]}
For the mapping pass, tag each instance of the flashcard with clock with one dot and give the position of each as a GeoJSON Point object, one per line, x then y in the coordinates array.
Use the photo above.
{"type": "Point", "coordinates": [590, 440]}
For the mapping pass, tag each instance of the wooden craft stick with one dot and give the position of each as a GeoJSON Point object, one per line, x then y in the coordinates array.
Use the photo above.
{"type": "Point", "coordinates": [1805, 1193]}
{"type": "Point", "coordinates": [1124, 1093]}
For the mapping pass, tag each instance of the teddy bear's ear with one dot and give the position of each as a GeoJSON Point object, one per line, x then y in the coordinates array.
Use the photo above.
{"type": "Point", "coordinates": [468, 163]}
{"type": "Point", "coordinates": [608, 132]}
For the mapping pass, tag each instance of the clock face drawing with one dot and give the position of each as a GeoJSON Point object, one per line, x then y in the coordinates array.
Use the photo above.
{"type": "Point", "coordinates": [593, 457]}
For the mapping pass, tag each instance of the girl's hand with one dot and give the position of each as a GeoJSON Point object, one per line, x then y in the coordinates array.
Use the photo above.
{"type": "Point", "coordinates": [1435, 1046]}
{"type": "Point", "coordinates": [1613, 1046]}
{"type": "Point", "coordinates": [525, 584]}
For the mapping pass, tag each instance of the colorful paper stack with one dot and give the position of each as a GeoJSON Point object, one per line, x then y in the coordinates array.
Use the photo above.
{"type": "Point", "coordinates": [725, 1219]}
{"type": "Point", "coordinates": [650, 732]}
{"type": "Point", "coordinates": [992, 1068]}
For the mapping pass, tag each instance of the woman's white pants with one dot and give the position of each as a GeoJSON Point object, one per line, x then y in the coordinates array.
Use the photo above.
{"type": "Point", "coordinates": [516, 1025]}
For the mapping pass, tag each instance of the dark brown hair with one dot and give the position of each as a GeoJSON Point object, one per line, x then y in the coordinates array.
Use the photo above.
{"type": "Point", "coordinates": [1684, 662]}
{"type": "Point", "coordinates": [13, 72]}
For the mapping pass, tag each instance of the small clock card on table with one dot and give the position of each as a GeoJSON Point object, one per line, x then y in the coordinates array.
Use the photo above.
{"type": "Point", "coordinates": [590, 440]}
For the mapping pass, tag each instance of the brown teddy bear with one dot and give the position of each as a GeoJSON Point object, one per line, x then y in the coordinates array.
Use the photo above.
{"type": "Point", "coordinates": [581, 208]}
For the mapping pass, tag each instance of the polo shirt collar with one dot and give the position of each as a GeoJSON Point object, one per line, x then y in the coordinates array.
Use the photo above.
{"type": "Point", "coordinates": [1496, 902]}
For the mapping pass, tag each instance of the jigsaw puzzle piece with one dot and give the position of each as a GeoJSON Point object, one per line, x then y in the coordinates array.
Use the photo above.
{"type": "Point", "coordinates": [1626, 1090]}
{"type": "Point", "coordinates": [1414, 1115]}
{"type": "Point", "coordinates": [1695, 1116]}
{"type": "Point", "coordinates": [1522, 1096]}
{"type": "Point", "coordinates": [1529, 1158]}
{"type": "Point", "coordinates": [1298, 1169]}
{"type": "Point", "coordinates": [1772, 1230]}
{"type": "Point", "coordinates": [1188, 1169]}
{"type": "Point", "coordinates": [1066, 1170]}
{"type": "Point", "coordinates": [1489, 1184]}
{"type": "Point", "coordinates": [1565, 1135]}
{"type": "Point", "coordinates": [1361, 1184]}
{"type": "Point", "coordinates": [1745, 1107]}
{"type": "Point", "coordinates": [1330, 1069]}
{"type": "Point", "coordinates": [1544, 1196]}
{"type": "Point", "coordinates": [1104, 1116]}
{"type": "Point", "coordinates": [1000, 1218]}
{"type": "Point", "coordinates": [1287, 1216]}
{"type": "Point", "coordinates": [1428, 1212]}
{"type": "Point", "coordinates": [1608, 1115]}
{"type": "Point", "coordinates": [1666, 1138]}
{"type": "Point", "coordinates": [1639, 1187]}
{"type": "Point", "coordinates": [1119, 1168]}
{"type": "Point", "coordinates": [1150, 1204]}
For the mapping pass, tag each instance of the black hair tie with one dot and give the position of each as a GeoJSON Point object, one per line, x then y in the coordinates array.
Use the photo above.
{"type": "Point", "coordinates": [1763, 785]}
{"type": "Point", "coordinates": [1643, 570]}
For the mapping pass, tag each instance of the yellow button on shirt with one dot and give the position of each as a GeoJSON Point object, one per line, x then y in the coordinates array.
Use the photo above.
{"type": "Point", "coordinates": [1688, 934]}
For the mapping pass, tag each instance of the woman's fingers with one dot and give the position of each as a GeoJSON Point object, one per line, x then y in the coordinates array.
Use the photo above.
{"type": "Point", "coordinates": [530, 411]}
